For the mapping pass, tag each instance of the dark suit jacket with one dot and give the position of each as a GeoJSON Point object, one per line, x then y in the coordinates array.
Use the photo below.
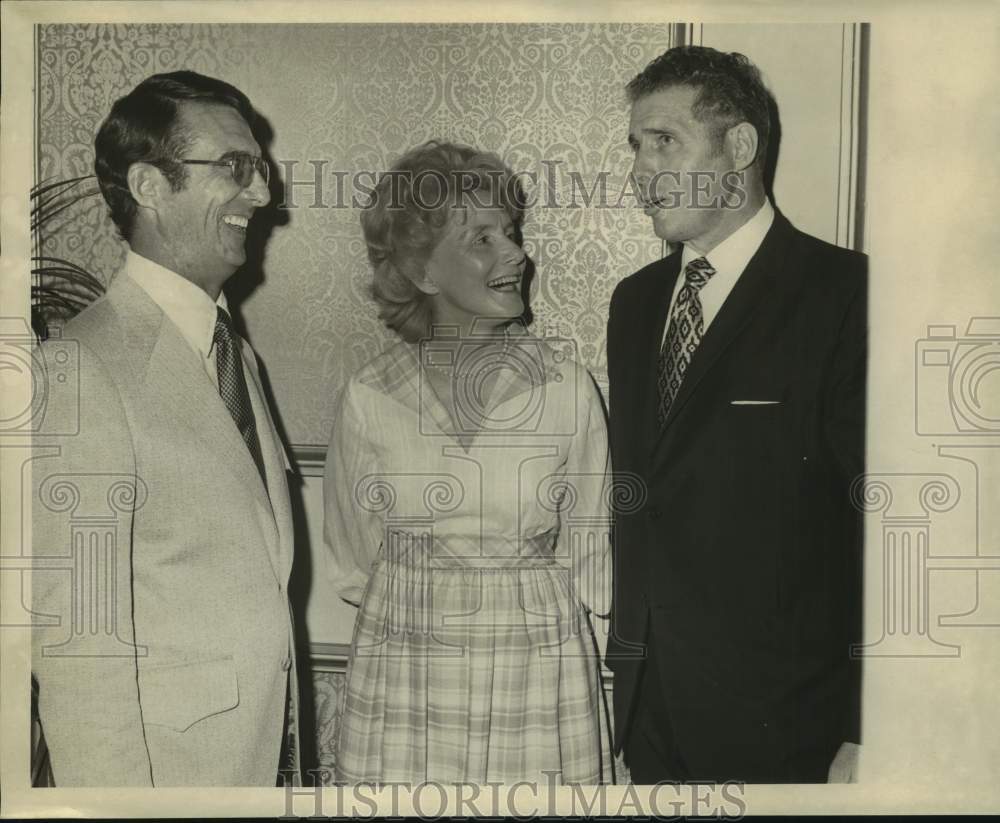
{"type": "Point", "coordinates": [742, 567]}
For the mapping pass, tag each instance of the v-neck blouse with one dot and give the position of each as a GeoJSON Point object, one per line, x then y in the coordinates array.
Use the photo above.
{"type": "Point", "coordinates": [539, 464]}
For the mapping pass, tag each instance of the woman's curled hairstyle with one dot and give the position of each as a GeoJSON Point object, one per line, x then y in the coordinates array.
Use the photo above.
{"type": "Point", "coordinates": [407, 215]}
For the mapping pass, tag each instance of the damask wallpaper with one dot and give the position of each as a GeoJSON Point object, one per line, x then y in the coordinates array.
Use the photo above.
{"type": "Point", "coordinates": [341, 100]}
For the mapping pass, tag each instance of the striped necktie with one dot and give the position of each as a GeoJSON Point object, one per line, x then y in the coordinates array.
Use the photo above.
{"type": "Point", "coordinates": [233, 386]}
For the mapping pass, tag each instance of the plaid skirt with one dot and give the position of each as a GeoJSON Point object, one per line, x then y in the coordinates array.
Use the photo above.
{"type": "Point", "coordinates": [465, 668]}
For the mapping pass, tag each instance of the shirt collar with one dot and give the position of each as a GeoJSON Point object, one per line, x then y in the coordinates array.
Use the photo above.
{"type": "Point", "coordinates": [732, 254]}
{"type": "Point", "coordinates": [186, 305]}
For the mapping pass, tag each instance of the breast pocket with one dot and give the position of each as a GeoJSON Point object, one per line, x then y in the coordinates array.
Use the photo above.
{"type": "Point", "coordinates": [180, 695]}
{"type": "Point", "coordinates": [756, 421]}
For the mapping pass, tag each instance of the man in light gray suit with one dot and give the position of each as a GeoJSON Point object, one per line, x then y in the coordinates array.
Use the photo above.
{"type": "Point", "coordinates": [162, 529]}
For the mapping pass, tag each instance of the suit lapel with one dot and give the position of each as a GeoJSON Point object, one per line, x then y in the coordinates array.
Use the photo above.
{"type": "Point", "coordinates": [177, 385]}
{"type": "Point", "coordinates": [276, 463]}
{"type": "Point", "coordinates": [747, 296]}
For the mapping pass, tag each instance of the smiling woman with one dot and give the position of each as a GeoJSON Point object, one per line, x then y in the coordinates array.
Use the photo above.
{"type": "Point", "coordinates": [460, 460]}
{"type": "Point", "coordinates": [441, 225]}
{"type": "Point", "coordinates": [476, 268]}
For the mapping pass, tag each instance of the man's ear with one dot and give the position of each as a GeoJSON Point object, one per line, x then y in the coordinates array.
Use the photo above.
{"type": "Point", "coordinates": [741, 144]}
{"type": "Point", "coordinates": [147, 185]}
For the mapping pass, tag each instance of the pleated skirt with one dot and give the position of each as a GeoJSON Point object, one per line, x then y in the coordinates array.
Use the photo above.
{"type": "Point", "coordinates": [470, 669]}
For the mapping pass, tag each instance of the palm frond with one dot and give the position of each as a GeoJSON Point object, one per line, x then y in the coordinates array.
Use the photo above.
{"type": "Point", "coordinates": [60, 288]}
{"type": "Point", "coordinates": [58, 304]}
{"type": "Point", "coordinates": [49, 184]}
{"type": "Point", "coordinates": [55, 267]}
{"type": "Point", "coordinates": [52, 209]}
{"type": "Point", "coordinates": [44, 194]}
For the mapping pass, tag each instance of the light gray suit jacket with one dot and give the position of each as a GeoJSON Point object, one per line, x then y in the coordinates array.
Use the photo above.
{"type": "Point", "coordinates": [163, 562]}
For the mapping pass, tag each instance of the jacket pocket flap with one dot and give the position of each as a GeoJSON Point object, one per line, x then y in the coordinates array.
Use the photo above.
{"type": "Point", "coordinates": [178, 696]}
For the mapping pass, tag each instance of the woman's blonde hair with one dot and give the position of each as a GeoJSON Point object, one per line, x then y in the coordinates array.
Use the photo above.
{"type": "Point", "coordinates": [407, 215]}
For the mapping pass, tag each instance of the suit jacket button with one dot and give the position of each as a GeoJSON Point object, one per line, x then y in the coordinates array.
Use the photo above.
{"type": "Point", "coordinates": [286, 664]}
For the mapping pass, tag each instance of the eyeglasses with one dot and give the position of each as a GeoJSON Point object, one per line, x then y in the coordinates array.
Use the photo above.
{"type": "Point", "coordinates": [241, 164]}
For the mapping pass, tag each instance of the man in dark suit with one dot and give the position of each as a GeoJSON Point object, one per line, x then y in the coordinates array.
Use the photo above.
{"type": "Point", "coordinates": [737, 386]}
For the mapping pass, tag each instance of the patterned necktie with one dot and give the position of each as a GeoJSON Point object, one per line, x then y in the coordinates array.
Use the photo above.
{"type": "Point", "coordinates": [233, 386]}
{"type": "Point", "coordinates": [683, 335]}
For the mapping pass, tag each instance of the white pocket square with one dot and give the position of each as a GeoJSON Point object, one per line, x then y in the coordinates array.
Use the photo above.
{"type": "Point", "coordinates": [754, 402]}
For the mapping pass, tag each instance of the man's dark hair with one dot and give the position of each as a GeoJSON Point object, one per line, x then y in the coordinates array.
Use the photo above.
{"type": "Point", "coordinates": [145, 126]}
{"type": "Point", "coordinates": [730, 90]}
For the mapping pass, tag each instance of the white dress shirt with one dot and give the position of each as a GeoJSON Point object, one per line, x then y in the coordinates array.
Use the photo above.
{"type": "Point", "coordinates": [192, 311]}
{"type": "Point", "coordinates": [187, 306]}
{"type": "Point", "coordinates": [729, 259]}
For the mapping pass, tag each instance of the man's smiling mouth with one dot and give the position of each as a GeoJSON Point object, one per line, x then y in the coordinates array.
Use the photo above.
{"type": "Point", "coordinates": [509, 282]}
{"type": "Point", "coordinates": [236, 222]}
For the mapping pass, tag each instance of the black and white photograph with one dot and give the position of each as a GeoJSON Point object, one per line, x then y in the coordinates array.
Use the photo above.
{"type": "Point", "coordinates": [487, 410]}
